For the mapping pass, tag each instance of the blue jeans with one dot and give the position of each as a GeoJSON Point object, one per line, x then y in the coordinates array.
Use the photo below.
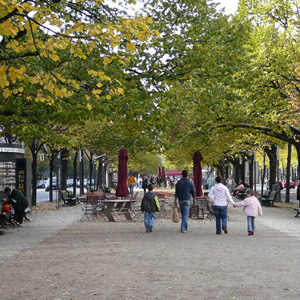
{"type": "Point", "coordinates": [221, 215]}
{"type": "Point", "coordinates": [131, 189]}
{"type": "Point", "coordinates": [149, 218]}
{"type": "Point", "coordinates": [251, 223]}
{"type": "Point", "coordinates": [184, 209]}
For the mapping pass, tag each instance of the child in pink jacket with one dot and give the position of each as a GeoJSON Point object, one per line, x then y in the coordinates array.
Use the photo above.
{"type": "Point", "coordinates": [251, 208]}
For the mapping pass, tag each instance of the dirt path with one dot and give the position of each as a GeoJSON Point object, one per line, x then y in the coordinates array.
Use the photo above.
{"type": "Point", "coordinates": [101, 260]}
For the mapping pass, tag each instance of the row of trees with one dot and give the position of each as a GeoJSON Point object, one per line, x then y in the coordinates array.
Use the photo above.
{"type": "Point", "coordinates": [175, 77]}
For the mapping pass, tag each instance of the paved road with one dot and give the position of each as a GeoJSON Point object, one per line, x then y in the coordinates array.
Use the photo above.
{"type": "Point", "coordinates": [43, 196]}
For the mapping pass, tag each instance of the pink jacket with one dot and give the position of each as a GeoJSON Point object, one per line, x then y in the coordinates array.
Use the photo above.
{"type": "Point", "coordinates": [251, 206]}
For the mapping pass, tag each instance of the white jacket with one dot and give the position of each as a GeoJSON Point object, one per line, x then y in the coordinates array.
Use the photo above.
{"type": "Point", "coordinates": [221, 194]}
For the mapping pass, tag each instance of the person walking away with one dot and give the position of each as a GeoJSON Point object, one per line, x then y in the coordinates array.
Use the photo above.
{"type": "Point", "coordinates": [149, 208]}
{"type": "Point", "coordinates": [230, 184]}
{"type": "Point", "coordinates": [131, 183]}
{"type": "Point", "coordinates": [221, 194]}
{"type": "Point", "coordinates": [184, 190]}
{"type": "Point", "coordinates": [145, 184]}
{"type": "Point", "coordinates": [18, 202]}
{"type": "Point", "coordinates": [210, 182]}
{"type": "Point", "coordinates": [251, 208]}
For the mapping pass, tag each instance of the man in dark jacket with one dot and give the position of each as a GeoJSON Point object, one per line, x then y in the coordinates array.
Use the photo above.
{"type": "Point", "coordinates": [18, 202]}
{"type": "Point", "coordinates": [184, 190]}
{"type": "Point", "coordinates": [148, 207]}
{"type": "Point", "coordinates": [145, 184]}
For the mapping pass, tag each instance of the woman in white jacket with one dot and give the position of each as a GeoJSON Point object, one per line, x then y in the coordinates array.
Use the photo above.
{"type": "Point", "coordinates": [221, 195]}
{"type": "Point", "coordinates": [251, 208]}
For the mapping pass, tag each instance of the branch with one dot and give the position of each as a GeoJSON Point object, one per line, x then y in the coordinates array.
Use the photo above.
{"type": "Point", "coordinates": [20, 56]}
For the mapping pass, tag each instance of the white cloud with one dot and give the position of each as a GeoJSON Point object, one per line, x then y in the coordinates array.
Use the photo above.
{"type": "Point", "coordinates": [229, 5]}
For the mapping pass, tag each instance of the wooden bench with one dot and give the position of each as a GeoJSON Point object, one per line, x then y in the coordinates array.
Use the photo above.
{"type": "Point", "coordinates": [105, 189]}
{"type": "Point", "coordinates": [71, 195]}
{"type": "Point", "coordinates": [269, 200]}
{"type": "Point", "coordinates": [68, 200]}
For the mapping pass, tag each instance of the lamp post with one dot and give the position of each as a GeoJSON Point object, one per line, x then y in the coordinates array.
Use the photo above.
{"type": "Point", "coordinates": [58, 179]}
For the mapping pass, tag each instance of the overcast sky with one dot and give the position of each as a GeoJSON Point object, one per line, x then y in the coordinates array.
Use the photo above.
{"type": "Point", "coordinates": [230, 5]}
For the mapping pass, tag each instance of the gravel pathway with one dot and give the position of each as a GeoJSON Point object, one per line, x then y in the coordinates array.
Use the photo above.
{"type": "Point", "coordinates": [41, 226]}
{"type": "Point", "coordinates": [57, 256]}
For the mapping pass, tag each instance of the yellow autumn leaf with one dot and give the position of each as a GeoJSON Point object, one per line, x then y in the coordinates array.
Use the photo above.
{"type": "Point", "coordinates": [143, 26]}
{"type": "Point", "coordinates": [97, 92]}
{"type": "Point", "coordinates": [3, 69]}
{"type": "Point", "coordinates": [150, 20]}
{"type": "Point", "coordinates": [120, 91]}
{"type": "Point", "coordinates": [108, 97]}
{"type": "Point", "coordinates": [54, 57]}
{"type": "Point", "coordinates": [130, 47]}
{"type": "Point", "coordinates": [79, 53]}
{"type": "Point", "coordinates": [157, 33]}
{"type": "Point", "coordinates": [99, 84]}
{"type": "Point", "coordinates": [4, 83]}
{"type": "Point", "coordinates": [107, 60]}
{"type": "Point", "coordinates": [7, 93]}
{"type": "Point", "coordinates": [89, 106]}
{"type": "Point", "coordinates": [34, 79]}
{"type": "Point", "coordinates": [62, 79]}
{"type": "Point", "coordinates": [79, 28]}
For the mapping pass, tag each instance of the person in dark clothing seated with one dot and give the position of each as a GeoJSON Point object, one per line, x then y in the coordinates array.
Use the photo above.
{"type": "Point", "coordinates": [18, 202]}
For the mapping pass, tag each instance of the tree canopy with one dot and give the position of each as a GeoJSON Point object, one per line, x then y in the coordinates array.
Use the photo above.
{"type": "Point", "coordinates": [174, 77]}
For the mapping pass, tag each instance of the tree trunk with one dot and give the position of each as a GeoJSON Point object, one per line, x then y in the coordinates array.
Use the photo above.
{"type": "Point", "coordinates": [272, 155]}
{"type": "Point", "coordinates": [242, 170]}
{"type": "Point", "coordinates": [263, 174]}
{"type": "Point", "coordinates": [251, 169]}
{"type": "Point", "coordinates": [64, 168]}
{"type": "Point", "coordinates": [297, 146]}
{"type": "Point", "coordinates": [236, 174]}
{"type": "Point", "coordinates": [288, 173]}
{"type": "Point", "coordinates": [34, 148]}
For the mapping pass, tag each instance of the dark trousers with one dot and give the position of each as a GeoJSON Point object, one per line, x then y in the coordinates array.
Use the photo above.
{"type": "Point", "coordinates": [20, 212]}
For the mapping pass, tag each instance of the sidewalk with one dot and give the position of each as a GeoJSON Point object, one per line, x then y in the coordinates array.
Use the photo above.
{"type": "Point", "coordinates": [57, 256]}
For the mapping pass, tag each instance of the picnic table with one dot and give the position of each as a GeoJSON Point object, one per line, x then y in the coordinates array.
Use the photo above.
{"type": "Point", "coordinates": [108, 205]}
{"type": "Point", "coordinates": [117, 206]}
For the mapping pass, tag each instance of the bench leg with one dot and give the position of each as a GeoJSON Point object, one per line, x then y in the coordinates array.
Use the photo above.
{"type": "Point", "coordinates": [128, 216]}
{"type": "Point", "coordinates": [298, 212]}
{"type": "Point", "coordinates": [107, 211]}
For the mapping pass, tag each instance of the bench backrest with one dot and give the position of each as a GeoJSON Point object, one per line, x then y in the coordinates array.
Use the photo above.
{"type": "Point", "coordinates": [64, 194]}
{"type": "Point", "coordinates": [272, 195]}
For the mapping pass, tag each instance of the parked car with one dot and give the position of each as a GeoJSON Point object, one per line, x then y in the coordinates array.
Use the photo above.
{"type": "Point", "coordinates": [40, 183]}
{"type": "Point", "coordinates": [85, 182]}
{"type": "Point", "coordinates": [54, 185]}
{"type": "Point", "coordinates": [70, 182]}
{"type": "Point", "coordinates": [292, 185]}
